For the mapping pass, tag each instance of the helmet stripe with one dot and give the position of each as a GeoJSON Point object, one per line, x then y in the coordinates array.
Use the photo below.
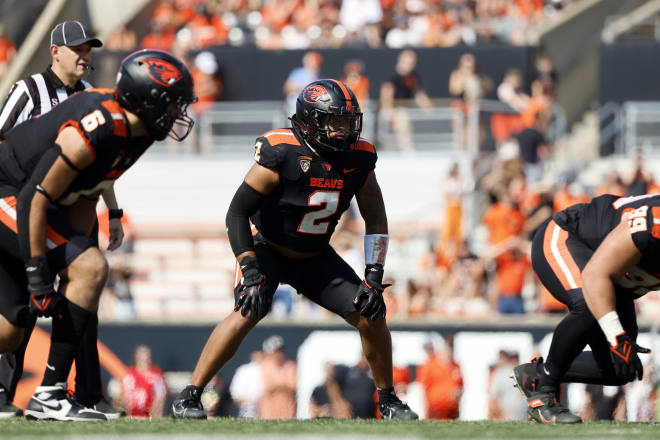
{"type": "Point", "coordinates": [347, 94]}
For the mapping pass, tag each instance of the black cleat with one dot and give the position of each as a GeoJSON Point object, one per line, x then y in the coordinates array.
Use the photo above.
{"type": "Point", "coordinates": [544, 408]}
{"type": "Point", "coordinates": [526, 376]}
{"type": "Point", "coordinates": [54, 403]}
{"type": "Point", "coordinates": [105, 407]}
{"type": "Point", "coordinates": [7, 410]}
{"type": "Point", "coordinates": [394, 408]}
{"type": "Point", "coordinates": [188, 404]}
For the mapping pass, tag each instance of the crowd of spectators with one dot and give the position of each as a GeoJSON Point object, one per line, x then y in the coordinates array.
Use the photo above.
{"type": "Point", "coordinates": [266, 387]}
{"type": "Point", "coordinates": [298, 24]}
{"type": "Point", "coordinates": [182, 25]}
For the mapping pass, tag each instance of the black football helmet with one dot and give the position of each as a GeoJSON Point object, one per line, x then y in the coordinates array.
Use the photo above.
{"type": "Point", "coordinates": [326, 102]}
{"type": "Point", "coordinates": [158, 88]}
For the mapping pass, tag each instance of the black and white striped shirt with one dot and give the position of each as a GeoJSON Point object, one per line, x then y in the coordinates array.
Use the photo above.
{"type": "Point", "coordinates": [33, 96]}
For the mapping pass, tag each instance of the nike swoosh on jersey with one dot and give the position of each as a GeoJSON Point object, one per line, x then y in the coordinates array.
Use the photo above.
{"type": "Point", "coordinates": [349, 170]}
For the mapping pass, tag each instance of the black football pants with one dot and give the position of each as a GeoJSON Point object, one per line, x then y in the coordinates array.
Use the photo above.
{"type": "Point", "coordinates": [558, 258]}
{"type": "Point", "coordinates": [88, 368]}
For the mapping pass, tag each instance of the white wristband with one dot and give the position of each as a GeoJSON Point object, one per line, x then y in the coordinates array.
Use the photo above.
{"type": "Point", "coordinates": [611, 326]}
{"type": "Point", "coordinates": [375, 248]}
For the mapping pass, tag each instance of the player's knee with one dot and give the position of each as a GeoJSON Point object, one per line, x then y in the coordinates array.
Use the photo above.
{"type": "Point", "coordinates": [91, 268]}
{"type": "Point", "coordinates": [367, 326]}
{"type": "Point", "coordinates": [580, 308]}
{"type": "Point", "coordinates": [242, 323]}
{"type": "Point", "coordinates": [11, 337]}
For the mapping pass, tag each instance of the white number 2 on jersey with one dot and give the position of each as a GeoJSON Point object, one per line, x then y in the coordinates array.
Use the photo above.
{"type": "Point", "coordinates": [329, 200]}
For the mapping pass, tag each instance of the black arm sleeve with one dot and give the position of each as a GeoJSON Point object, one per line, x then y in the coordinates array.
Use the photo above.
{"type": "Point", "coordinates": [245, 203]}
{"type": "Point", "coordinates": [26, 195]}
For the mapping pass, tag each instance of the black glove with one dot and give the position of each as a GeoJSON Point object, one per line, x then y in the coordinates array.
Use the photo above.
{"type": "Point", "coordinates": [369, 297]}
{"type": "Point", "coordinates": [253, 297]}
{"type": "Point", "coordinates": [44, 301]}
{"type": "Point", "coordinates": [625, 360]}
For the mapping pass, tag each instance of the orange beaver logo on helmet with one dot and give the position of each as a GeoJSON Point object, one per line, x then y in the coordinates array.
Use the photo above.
{"type": "Point", "coordinates": [314, 92]}
{"type": "Point", "coordinates": [162, 72]}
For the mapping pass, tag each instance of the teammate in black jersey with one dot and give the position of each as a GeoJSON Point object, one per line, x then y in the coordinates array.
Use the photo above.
{"type": "Point", "coordinates": [52, 171]}
{"type": "Point", "coordinates": [596, 258]}
{"type": "Point", "coordinates": [71, 56]}
{"type": "Point", "coordinates": [303, 180]}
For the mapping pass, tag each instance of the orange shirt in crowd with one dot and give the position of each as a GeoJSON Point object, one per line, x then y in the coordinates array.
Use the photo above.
{"type": "Point", "coordinates": [7, 50]}
{"type": "Point", "coordinates": [360, 86]}
{"type": "Point", "coordinates": [443, 385]}
{"type": "Point", "coordinates": [401, 375]}
{"type": "Point", "coordinates": [534, 106]}
{"type": "Point", "coordinates": [503, 221]}
{"type": "Point", "coordinates": [511, 273]}
{"type": "Point", "coordinates": [159, 40]}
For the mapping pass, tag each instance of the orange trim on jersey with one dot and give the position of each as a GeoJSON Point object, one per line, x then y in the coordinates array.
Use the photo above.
{"type": "Point", "coordinates": [276, 137]}
{"type": "Point", "coordinates": [363, 145]}
{"type": "Point", "coordinates": [559, 257]}
{"type": "Point", "coordinates": [54, 237]}
{"type": "Point", "coordinates": [8, 213]}
{"type": "Point", "coordinates": [8, 217]}
{"type": "Point", "coordinates": [74, 124]}
{"type": "Point", "coordinates": [655, 213]}
{"type": "Point", "coordinates": [347, 94]}
{"type": "Point", "coordinates": [119, 124]}
{"type": "Point", "coordinates": [102, 91]}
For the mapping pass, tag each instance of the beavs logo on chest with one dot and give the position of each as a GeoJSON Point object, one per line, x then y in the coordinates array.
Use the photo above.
{"type": "Point", "coordinates": [320, 182]}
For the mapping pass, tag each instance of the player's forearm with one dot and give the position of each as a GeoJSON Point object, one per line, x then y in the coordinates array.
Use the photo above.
{"type": "Point", "coordinates": [599, 294]}
{"type": "Point", "coordinates": [37, 226]}
{"type": "Point", "coordinates": [372, 207]}
{"type": "Point", "coordinates": [110, 198]}
{"type": "Point", "coordinates": [245, 203]}
{"type": "Point", "coordinates": [598, 291]}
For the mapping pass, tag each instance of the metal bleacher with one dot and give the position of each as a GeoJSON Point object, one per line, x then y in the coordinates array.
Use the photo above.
{"type": "Point", "coordinates": [640, 126]}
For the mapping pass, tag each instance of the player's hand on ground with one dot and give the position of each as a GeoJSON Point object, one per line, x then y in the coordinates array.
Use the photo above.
{"type": "Point", "coordinates": [253, 297]}
{"type": "Point", "coordinates": [369, 298]}
{"type": "Point", "coordinates": [44, 301]}
{"type": "Point", "coordinates": [627, 364]}
{"type": "Point", "coordinates": [116, 234]}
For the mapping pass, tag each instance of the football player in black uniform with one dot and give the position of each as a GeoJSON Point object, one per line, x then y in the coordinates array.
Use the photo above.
{"type": "Point", "coordinates": [35, 95]}
{"type": "Point", "coordinates": [303, 180]}
{"type": "Point", "coordinates": [596, 258]}
{"type": "Point", "coordinates": [52, 171]}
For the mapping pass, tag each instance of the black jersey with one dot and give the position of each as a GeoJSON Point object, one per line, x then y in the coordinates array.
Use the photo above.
{"type": "Point", "coordinates": [101, 121]}
{"type": "Point", "coordinates": [591, 222]}
{"type": "Point", "coordinates": [303, 211]}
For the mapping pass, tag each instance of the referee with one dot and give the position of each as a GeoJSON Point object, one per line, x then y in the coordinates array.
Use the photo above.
{"type": "Point", "coordinates": [71, 52]}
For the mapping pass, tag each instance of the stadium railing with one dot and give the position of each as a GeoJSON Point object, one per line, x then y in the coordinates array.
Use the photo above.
{"type": "Point", "coordinates": [230, 127]}
{"type": "Point", "coordinates": [641, 127]}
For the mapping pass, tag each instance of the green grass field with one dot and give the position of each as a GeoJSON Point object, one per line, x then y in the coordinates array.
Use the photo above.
{"type": "Point", "coordinates": [321, 429]}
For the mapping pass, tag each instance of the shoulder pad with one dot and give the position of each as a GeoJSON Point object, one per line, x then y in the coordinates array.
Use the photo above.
{"type": "Point", "coordinates": [364, 145]}
{"type": "Point", "coordinates": [271, 147]}
{"type": "Point", "coordinates": [280, 136]}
